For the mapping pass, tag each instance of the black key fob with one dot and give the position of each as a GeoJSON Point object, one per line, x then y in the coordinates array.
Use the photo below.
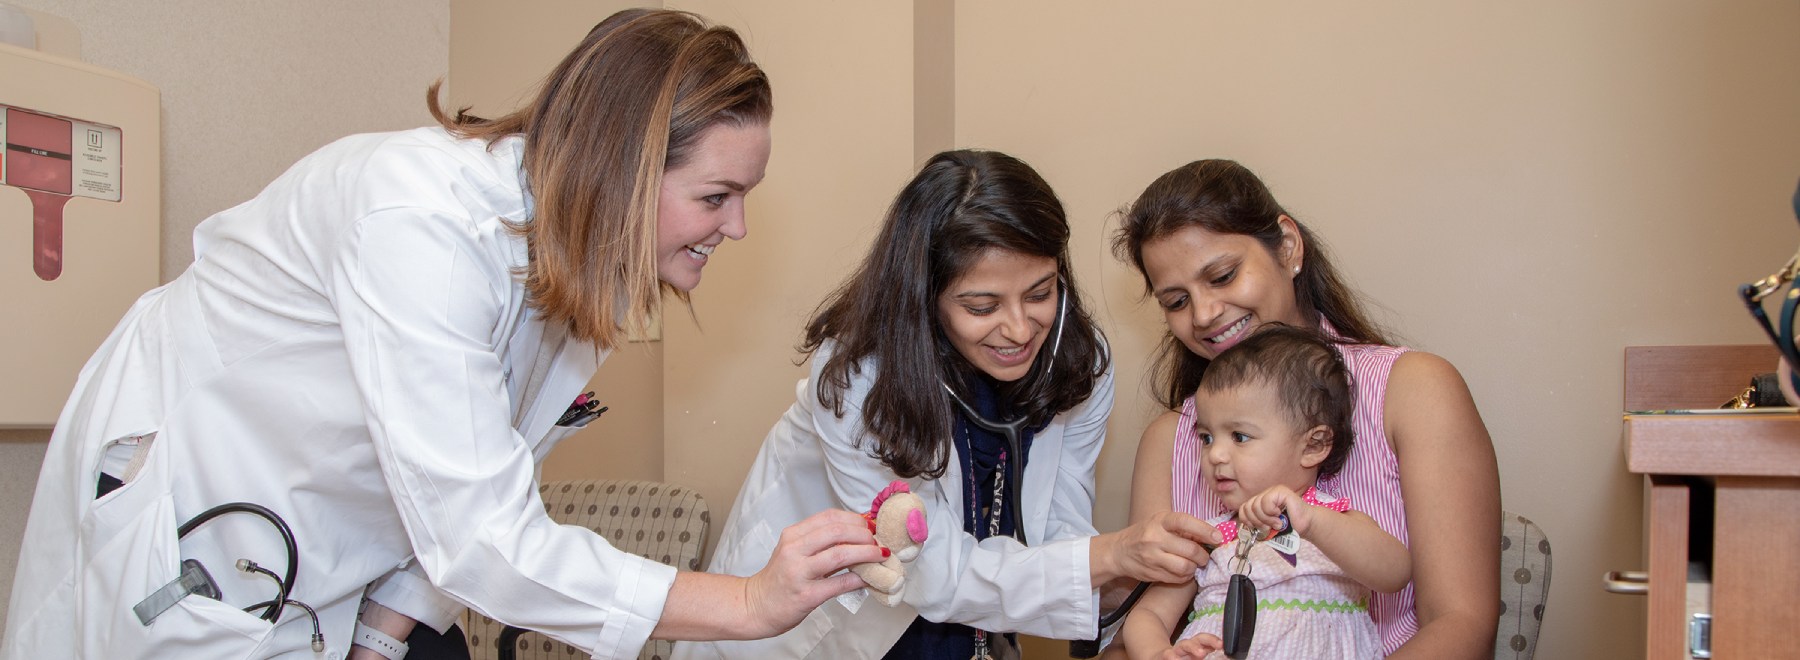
{"type": "Point", "coordinates": [1240, 617]}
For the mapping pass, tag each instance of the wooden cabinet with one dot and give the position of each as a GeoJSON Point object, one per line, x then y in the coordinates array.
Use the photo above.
{"type": "Point", "coordinates": [1748, 467]}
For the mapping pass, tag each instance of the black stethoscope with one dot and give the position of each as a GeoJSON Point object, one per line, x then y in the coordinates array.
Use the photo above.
{"type": "Point", "coordinates": [195, 580]}
{"type": "Point", "coordinates": [1014, 430]}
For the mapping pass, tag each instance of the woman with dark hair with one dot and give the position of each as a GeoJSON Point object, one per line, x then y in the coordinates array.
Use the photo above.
{"type": "Point", "coordinates": [379, 348]}
{"type": "Point", "coordinates": [1224, 260]}
{"type": "Point", "coordinates": [964, 317]}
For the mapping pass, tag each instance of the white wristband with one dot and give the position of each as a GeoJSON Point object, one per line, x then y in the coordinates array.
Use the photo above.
{"type": "Point", "coordinates": [372, 639]}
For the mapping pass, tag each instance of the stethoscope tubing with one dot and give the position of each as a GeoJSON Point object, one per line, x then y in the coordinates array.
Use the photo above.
{"type": "Point", "coordinates": [1013, 430]}
{"type": "Point", "coordinates": [284, 586]}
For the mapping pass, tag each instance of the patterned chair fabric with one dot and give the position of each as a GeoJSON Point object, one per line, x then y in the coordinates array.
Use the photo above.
{"type": "Point", "coordinates": [658, 521]}
{"type": "Point", "coordinates": [1524, 587]}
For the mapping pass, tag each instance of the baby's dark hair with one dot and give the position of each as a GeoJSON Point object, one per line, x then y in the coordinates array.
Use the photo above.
{"type": "Point", "coordinates": [1309, 378]}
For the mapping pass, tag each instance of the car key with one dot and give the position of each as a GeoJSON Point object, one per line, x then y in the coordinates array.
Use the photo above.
{"type": "Point", "coordinates": [1240, 617]}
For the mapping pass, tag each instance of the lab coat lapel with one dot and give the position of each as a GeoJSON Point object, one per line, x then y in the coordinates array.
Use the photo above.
{"type": "Point", "coordinates": [570, 369]}
{"type": "Point", "coordinates": [519, 353]}
{"type": "Point", "coordinates": [950, 489]}
{"type": "Point", "coordinates": [1040, 479]}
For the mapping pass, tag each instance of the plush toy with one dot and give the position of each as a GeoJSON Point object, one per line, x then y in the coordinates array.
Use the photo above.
{"type": "Point", "coordinates": [899, 520]}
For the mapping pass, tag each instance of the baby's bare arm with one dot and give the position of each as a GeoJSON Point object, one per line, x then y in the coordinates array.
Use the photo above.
{"type": "Point", "coordinates": [1148, 628]}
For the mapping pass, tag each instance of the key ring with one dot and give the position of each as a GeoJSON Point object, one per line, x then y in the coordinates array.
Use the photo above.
{"type": "Point", "coordinates": [1241, 558]}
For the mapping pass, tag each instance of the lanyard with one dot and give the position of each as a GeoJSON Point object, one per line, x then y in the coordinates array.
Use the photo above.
{"type": "Point", "coordinates": [996, 509]}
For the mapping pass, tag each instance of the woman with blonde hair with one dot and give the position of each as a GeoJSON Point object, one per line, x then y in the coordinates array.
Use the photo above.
{"type": "Point", "coordinates": [377, 350]}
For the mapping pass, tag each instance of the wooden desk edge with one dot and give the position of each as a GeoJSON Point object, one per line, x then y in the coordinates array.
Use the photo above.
{"type": "Point", "coordinates": [1724, 445]}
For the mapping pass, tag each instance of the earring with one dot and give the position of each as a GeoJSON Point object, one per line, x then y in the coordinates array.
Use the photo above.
{"type": "Point", "coordinates": [1296, 270]}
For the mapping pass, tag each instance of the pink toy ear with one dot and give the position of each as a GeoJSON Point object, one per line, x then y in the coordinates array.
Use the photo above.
{"type": "Point", "coordinates": [915, 526]}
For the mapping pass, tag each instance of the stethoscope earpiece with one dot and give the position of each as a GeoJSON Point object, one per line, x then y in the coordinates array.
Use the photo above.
{"type": "Point", "coordinates": [273, 607]}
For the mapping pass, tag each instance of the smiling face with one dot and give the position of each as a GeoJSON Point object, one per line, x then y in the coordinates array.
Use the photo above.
{"type": "Point", "coordinates": [1248, 444]}
{"type": "Point", "coordinates": [702, 201]}
{"type": "Point", "coordinates": [998, 313]}
{"type": "Point", "coordinates": [1216, 289]}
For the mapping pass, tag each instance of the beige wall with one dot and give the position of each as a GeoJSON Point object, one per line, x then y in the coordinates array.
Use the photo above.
{"type": "Point", "coordinates": [247, 88]}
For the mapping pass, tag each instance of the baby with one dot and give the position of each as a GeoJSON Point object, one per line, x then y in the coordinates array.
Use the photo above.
{"type": "Point", "coordinates": [1272, 416]}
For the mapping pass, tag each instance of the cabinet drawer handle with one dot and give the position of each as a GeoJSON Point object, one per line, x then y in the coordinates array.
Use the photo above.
{"type": "Point", "coordinates": [1627, 582]}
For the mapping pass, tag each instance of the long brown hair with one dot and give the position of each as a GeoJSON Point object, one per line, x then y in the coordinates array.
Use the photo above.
{"type": "Point", "coordinates": [959, 206]}
{"type": "Point", "coordinates": [628, 103]}
{"type": "Point", "coordinates": [1224, 197]}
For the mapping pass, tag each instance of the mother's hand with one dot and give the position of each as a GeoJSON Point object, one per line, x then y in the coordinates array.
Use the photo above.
{"type": "Point", "coordinates": [804, 570]}
{"type": "Point", "coordinates": [1164, 547]}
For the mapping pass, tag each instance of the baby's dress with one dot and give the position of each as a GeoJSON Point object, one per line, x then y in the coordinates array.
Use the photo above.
{"type": "Point", "coordinates": [1306, 610]}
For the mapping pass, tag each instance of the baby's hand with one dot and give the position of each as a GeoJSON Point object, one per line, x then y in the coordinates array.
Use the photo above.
{"type": "Point", "coordinates": [1194, 648]}
{"type": "Point", "coordinates": [1264, 510]}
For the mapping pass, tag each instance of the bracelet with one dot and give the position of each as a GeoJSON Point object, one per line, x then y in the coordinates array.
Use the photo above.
{"type": "Point", "coordinates": [373, 639]}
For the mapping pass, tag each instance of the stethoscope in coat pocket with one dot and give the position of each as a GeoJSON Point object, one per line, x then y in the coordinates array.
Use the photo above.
{"type": "Point", "coordinates": [194, 578]}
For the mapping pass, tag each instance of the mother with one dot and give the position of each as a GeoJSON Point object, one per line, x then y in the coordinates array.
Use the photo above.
{"type": "Point", "coordinates": [1223, 260]}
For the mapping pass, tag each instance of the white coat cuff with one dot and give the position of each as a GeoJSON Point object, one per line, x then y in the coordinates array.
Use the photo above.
{"type": "Point", "coordinates": [407, 591]}
{"type": "Point", "coordinates": [1084, 620]}
{"type": "Point", "coordinates": [643, 590]}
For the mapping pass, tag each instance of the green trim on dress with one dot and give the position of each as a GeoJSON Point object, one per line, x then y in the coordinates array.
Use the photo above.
{"type": "Point", "coordinates": [1309, 605]}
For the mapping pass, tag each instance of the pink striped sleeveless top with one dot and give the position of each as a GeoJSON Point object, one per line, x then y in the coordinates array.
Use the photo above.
{"type": "Point", "coordinates": [1370, 478]}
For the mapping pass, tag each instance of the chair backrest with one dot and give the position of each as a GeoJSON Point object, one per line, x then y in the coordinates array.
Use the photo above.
{"type": "Point", "coordinates": [658, 521]}
{"type": "Point", "coordinates": [1524, 586]}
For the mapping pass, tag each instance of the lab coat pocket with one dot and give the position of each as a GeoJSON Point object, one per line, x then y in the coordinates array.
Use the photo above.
{"type": "Point", "coordinates": [120, 461]}
{"type": "Point", "coordinates": [751, 553]}
{"type": "Point", "coordinates": [129, 551]}
{"type": "Point", "coordinates": [557, 434]}
{"type": "Point", "coordinates": [804, 639]}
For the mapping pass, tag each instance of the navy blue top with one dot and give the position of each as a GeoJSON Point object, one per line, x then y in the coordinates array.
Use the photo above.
{"type": "Point", "coordinates": [979, 452]}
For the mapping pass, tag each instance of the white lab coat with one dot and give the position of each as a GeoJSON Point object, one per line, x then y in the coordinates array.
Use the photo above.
{"type": "Point", "coordinates": [349, 349]}
{"type": "Point", "coordinates": [814, 460]}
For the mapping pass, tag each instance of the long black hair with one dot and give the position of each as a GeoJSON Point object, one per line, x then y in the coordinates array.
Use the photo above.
{"type": "Point", "coordinates": [959, 206]}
